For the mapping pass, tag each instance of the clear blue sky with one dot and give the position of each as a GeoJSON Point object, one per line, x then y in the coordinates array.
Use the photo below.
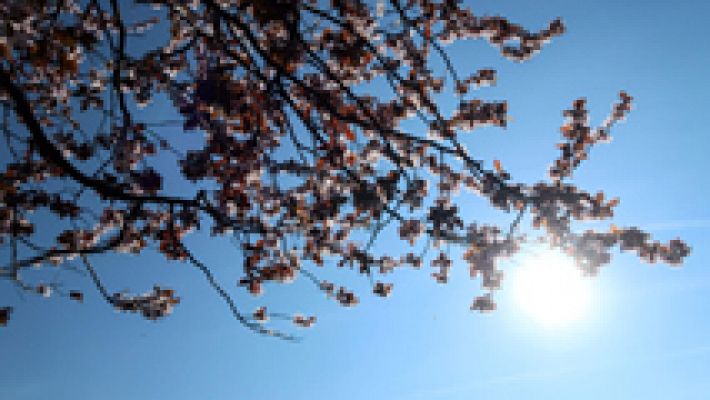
{"type": "Point", "coordinates": [647, 337]}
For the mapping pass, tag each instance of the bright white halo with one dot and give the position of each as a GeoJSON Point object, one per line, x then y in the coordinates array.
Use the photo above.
{"type": "Point", "coordinates": [551, 289]}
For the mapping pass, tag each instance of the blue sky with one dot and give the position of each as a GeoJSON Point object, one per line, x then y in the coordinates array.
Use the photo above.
{"type": "Point", "coordinates": [645, 337]}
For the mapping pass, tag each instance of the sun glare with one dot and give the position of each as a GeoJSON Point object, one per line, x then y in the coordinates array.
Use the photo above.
{"type": "Point", "coordinates": [551, 290]}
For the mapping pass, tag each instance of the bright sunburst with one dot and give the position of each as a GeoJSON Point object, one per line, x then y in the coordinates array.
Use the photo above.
{"type": "Point", "coordinates": [551, 289]}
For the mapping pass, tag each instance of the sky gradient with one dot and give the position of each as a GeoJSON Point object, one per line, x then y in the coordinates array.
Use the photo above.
{"type": "Point", "coordinates": [646, 337]}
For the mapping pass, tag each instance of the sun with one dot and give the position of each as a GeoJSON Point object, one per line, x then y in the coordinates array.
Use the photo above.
{"type": "Point", "coordinates": [550, 289]}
